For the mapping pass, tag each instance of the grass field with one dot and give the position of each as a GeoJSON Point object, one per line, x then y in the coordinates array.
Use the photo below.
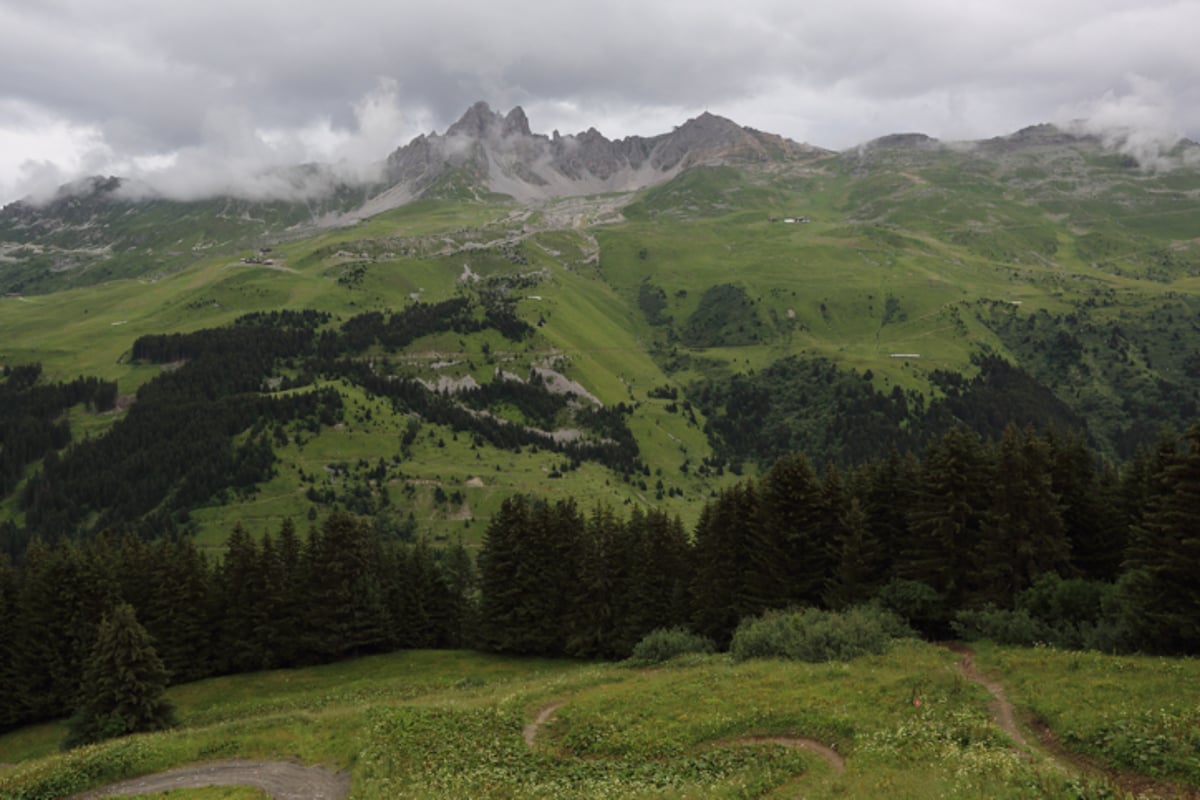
{"type": "Point", "coordinates": [449, 724]}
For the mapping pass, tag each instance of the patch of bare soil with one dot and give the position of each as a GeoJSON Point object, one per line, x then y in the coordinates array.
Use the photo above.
{"type": "Point", "coordinates": [831, 757]}
{"type": "Point", "coordinates": [281, 780]}
{"type": "Point", "coordinates": [544, 715]}
{"type": "Point", "coordinates": [1000, 707]}
{"type": "Point", "coordinates": [1057, 754]}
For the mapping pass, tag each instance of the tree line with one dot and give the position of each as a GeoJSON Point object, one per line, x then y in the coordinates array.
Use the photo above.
{"type": "Point", "coordinates": [1027, 535]}
{"type": "Point", "coordinates": [281, 600]}
{"type": "Point", "coordinates": [1027, 538]}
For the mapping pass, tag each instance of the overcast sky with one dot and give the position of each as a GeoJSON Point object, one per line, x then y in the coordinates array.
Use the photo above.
{"type": "Point", "coordinates": [192, 94]}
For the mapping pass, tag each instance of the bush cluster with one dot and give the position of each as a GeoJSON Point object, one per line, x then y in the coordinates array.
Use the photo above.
{"type": "Point", "coordinates": [817, 636]}
{"type": "Point", "coordinates": [664, 644]}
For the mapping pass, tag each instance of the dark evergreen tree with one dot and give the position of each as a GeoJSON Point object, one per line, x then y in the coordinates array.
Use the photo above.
{"type": "Point", "coordinates": [10, 680]}
{"type": "Point", "coordinates": [499, 567]}
{"type": "Point", "coordinates": [946, 516]}
{"type": "Point", "coordinates": [63, 596]}
{"type": "Point", "coordinates": [723, 564]}
{"type": "Point", "coordinates": [857, 558]}
{"type": "Point", "coordinates": [888, 487]}
{"type": "Point", "coordinates": [599, 602]}
{"type": "Point", "coordinates": [789, 562]}
{"type": "Point", "coordinates": [291, 617]}
{"type": "Point", "coordinates": [346, 613]}
{"type": "Point", "coordinates": [1022, 536]}
{"type": "Point", "coordinates": [240, 591]}
{"type": "Point", "coordinates": [1088, 495]}
{"type": "Point", "coordinates": [178, 611]}
{"type": "Point", "coordinates": [462, 582]}
{"type": "Point", "coordinates": [1162, 584]}
{"type": "Point", "coordinates": [123, 683]}
{"type": "Point", "coordinates": [659, 574]}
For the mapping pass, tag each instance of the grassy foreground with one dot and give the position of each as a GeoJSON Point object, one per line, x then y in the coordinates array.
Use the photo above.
{"type": "Point", "coordinates": [449, 724]}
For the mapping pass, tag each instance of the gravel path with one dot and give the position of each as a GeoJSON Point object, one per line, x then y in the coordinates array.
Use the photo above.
{"type": "Point", "coordinates": [282, 780]}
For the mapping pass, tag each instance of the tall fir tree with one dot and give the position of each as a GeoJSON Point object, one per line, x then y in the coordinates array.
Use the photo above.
{"type": "Point", "coordinates": [347, 613]}
{"type": "Point", "coordinates": [499, 567]}
{"type": "Point", "coordinates": [123, 685]}
{"type": "Point", "coordinates": [64, 594]}
{"type": "Point", "coordinates": [179, 611]}
{"type": "Point", "coordinates": [947, 515]}
{"type": "Point", "coordinates": [10, 680]}
{"type": "Point", "coordinates": [240, 591]}
{"type": "Point", "coordinates": [1162, 581]}
{"type": "Point", "coordinates": [1088, 494]}
{"type": "Point", "coordinates": [724, 573]}
{"type": "Point", "coordinates": [659, 572]}
{"type": "Point", "coordinates": [599, 602]}
{"type": "Point", "coordinates": [788, 560]}
{"type": "Point", "coordinates": [1023, 535]}
{"type": "Point", "coordinates": [857, 560]}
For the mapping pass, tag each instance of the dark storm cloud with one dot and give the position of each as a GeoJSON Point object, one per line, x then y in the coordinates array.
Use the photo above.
{"type": "Point", "coordinates": [135, 85]}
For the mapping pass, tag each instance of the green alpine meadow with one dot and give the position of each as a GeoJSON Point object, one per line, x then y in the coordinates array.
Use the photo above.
{"type": "Point", "coordinates": [702, 465]}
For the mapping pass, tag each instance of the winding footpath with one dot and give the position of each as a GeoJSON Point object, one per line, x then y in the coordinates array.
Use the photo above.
{"type": "Point", "coordinates": [544, 716]}
{"type": "Point", "coordinates": [1053, 752]}
{"type": "Point", "coordinates": [282, 780]}
{"type": "Point", "coordinates": [830, 756]}
{"type": "Point", "coordinates": [1001, 708]}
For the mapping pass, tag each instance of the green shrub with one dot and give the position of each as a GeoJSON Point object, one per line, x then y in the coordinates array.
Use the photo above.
{"type": "Point", "coordinates": [664, 644]}
{"type": "Point", "coordinates": [1072, 614]}
{"type": "Point", "coordinates": [815, 635]}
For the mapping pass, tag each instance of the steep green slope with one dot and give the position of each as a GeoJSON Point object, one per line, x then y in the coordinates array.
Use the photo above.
{"type": "Point", "coordinates": [905, 261]}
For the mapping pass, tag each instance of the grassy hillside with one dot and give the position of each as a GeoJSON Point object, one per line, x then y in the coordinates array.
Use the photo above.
{"type": "Point", "coordinates": [1052, 253]}
{"type": "Point", "coordinates": [449, 724]}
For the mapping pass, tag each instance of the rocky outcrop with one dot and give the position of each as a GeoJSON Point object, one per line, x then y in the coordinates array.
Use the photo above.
{"type": "Point", "coordinates": [503, 155]}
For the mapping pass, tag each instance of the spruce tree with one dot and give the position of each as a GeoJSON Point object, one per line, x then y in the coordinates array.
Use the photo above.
{"type": "Point", "coordinates": [1162, 584]}
{"type": "Point", "coordinates": [1088, 494]}
{"type": "Point", "coordinates": [722, 587]}
{"type": "Point", "coordinates": [789, 564]}
{"type": "Point", "coordinates": [857, 558]}
{"type": "Point", "coordinates": [1022, 536]}
{"type": "Point", "coordinates": [600, 602]}
{"type": "Point", "coordinates": [10, 692]}
{"type": "Point", "coordinates": [946, 516]}
{"type": "Point", "coordinates": [123, 684]}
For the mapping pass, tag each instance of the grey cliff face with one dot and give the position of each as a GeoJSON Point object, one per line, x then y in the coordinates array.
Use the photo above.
{"type": "Point", "coordinates": [511, 159]}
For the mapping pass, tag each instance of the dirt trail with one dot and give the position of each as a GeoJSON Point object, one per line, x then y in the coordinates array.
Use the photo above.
{"type": "Point", "coordinates": [1058, 756]}
{"type": "Point", "coordinates": [544, 715]}
{"type": "Point", "coordinates": [281, 780]}
{"type": "Point", "coordinates": [1001, 708]}
{"type": "Point", "coordinates": [831, 757]}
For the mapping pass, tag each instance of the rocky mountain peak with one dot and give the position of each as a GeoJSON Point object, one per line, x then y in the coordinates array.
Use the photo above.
{"type": "Point", "coordinates": [506, 156]}
{"type": "Point", "coordinates": [475, 121]}
{"type": "Point", "coordinates": [516, 123]}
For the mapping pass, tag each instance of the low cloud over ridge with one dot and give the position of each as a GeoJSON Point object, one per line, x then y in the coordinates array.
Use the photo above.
{"type": "Point", "coordinates": [195, 96]}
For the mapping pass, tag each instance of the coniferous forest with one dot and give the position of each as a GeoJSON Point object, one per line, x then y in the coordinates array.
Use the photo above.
{"type": "Point", "coordinates": [945, 513]}
{"type": "Point", "coordinates": [1025, 539]}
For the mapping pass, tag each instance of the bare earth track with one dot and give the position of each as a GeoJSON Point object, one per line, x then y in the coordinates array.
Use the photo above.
{"type": "Point", "coordinates": [281, 780]}
{"type": "Point", "coordinates": [831, 757]}
{"type": "Point", "coordinates": [1062, 759]}
{"type": "Point", "coordinates": [544, 715]}
{"type": "Point", "coordinates": [828, 754]}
